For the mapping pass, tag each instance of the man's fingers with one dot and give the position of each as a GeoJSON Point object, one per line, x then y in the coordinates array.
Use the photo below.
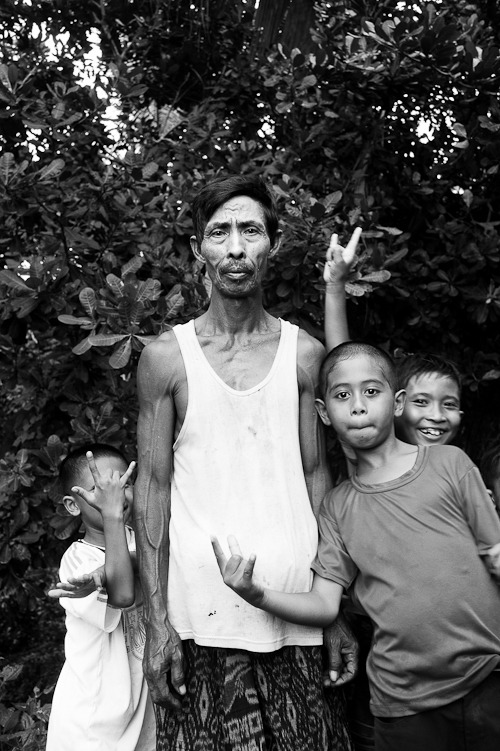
{"type": "Point", "coordinates": [350, 249]}
{"type": "Point", "coordinates": [234, 546]}
{"type": "Point", "coordinates": [177, 672]}
{"type": "Point", "coordinates": [124, 478]}
{"type": "Point", "coordinates": [249, 566]}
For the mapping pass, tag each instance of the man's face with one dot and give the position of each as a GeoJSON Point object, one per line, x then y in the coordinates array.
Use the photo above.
{"type": "Point", "coordinates": [236, 247]}
{"type": "Point", "coordinates": [359, 403]}
{"type": "Point", "coordinates": [432, 410]}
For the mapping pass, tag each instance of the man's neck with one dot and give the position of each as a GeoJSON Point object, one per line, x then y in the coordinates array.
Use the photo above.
{"type": "Point", "coordinates": [235, 316]}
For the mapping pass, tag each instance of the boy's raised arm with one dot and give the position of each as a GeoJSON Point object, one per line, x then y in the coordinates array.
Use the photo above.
{"type": "Point", "coordinates": [319, 607]}
{"type": "Point", "coordinates": [155, 436]}
{"type": "Point", "coordinates": [337, 267]}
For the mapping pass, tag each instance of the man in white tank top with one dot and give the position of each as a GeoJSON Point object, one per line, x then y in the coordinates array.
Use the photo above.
{"type": "Point", "coordinates": [229, 442]}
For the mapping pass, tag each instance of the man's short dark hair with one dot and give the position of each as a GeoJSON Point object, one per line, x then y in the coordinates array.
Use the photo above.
{"type": "Point", "coordinates": [75, 462]}
{"type": "Point", "coordinates": [415, 365]}
{"type": "Point", "coordinates": [345, 351]}
{"type": "Point", "coordinates": [222, 189]}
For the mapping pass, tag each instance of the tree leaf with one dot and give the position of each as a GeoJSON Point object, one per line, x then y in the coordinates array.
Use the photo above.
{"type": "Point", "coordinates": [7, 167]}
{"type": "Point", "coordinates": [88, 300]}
{"type": "Point", "coordinates": [82, 347]}
{"type": "Point", "coordinates": [105, 340]}
{"type": "Point", "coordinates": [14, 281]}
{"type": "Point", "coordinates": [73, 320]}
{"type": "Point", "coordinates": [51, 171]}
{"type": "Point", "coordinates": [115, 285]}
{"type": "Point", "coordinates": [121, 356]}
{"type": "Point", "coordinates": [131, 266]}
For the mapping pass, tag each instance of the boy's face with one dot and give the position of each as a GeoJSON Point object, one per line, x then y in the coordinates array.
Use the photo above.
{"type": "Point", "coordinates": [91, 517]}
{"type": "Point", "coordinates": [359, 403]}
{"type": "Point", "coordinates": [431, 413]}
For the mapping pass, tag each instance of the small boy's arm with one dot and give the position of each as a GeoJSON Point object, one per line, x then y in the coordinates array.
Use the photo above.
{"type": "Point", "coordinates": [319, 607]}
{"type": "Point", "coordinates": [108, 497]}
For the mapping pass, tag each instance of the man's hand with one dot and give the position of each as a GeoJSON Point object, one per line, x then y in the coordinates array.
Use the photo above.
{"type": "Point", "coordinates": [163, 666]}
{"type": "Point", "coordinates": [79, 586]}
{"type": "Point", "coordinates": [238, 572]}
{"type": "Point", "coordinates": [343, 652]}
{"type": "Point", "coordinates": [339, 260]}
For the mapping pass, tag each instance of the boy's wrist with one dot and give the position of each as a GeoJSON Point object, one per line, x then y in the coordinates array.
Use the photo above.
{"type": "Point", "coordinates": [116, 516]}
{"type": "Point", "coordinates": [335, 287]}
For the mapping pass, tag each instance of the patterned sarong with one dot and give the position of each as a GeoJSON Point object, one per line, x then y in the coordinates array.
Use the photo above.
{"type": "Point", "coordinates": [246, 701]}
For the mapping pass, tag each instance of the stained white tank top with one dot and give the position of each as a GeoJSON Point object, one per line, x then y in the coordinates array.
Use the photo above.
{"type": "Point", "coordinates": [237, 469]}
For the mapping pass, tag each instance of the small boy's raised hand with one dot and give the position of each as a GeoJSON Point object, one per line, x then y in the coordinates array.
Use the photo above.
{"type": "Point", "coordinates": [339, 259]}
{"type": "Point", "coordinates": [79, 586]}
{"type": "Point", "coordinates": [107, 495]}
{"type": "Point", "coordinates": [237, 571]}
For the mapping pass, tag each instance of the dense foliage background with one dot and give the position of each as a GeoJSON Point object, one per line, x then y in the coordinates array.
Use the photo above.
{"type": "Point", "coordinates": [112, 114]}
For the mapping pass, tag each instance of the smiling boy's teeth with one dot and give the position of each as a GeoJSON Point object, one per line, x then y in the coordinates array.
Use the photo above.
{"type": "Point", "coordinates": [432, 431]}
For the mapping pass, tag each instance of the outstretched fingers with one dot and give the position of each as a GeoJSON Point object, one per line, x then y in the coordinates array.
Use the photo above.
{"type": "Point", "coordinates": [126, 475]}
{"type": "Point", "coordinates": [93, 466]}
{"type": "Point", "coordinates": [351, 246]}
{"type": "Point", "coordinates": [219, 554]}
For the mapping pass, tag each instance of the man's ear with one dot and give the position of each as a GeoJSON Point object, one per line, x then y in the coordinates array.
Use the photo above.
{"type": "Point", "coordinates": [321, 410]}
{"type": "Point", "coordinates": [277, 243]}
{"type": "Point", "coordinates": [399, 402]}
{"type": "Point", "coordinates": [71, 505]}
{"type": "Point", "coordinates": [196, 249]}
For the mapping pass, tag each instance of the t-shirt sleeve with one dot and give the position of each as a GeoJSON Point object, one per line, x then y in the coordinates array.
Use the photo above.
{"type": "Point", "coordinates": [479, 509]}
{"type": "Point", "coordinates": [94, 608]}
{"type": "Point", "coordinates": [332, 559]}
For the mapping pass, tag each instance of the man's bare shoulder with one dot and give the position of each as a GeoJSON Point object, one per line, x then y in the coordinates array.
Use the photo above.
{"type": "Point", "coordinates": [310, 351]}
{"type": "Point", "coordinates": [162, 358]}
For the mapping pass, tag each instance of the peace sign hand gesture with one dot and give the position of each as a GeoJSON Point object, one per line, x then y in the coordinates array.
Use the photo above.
{"type": "Point", "coordinates": [339, 260]}
{"type": "Point", "coordinates": [238, 572]}
{"type": "Point", "coordinates": [108, 493]}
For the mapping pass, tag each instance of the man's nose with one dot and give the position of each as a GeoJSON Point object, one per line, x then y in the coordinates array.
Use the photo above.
{"type": "Point", "coordinates": [235, 245]}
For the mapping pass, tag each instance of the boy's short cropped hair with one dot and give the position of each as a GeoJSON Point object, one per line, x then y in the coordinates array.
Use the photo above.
{"type": "Point", "coordinates": [76, 461]}
{"type": "Point", "coordinates": [222, 189]}
{"type": "Point", "coordinates": [354, 349]}
{"type": "Point", "coordinates": [415, 365]}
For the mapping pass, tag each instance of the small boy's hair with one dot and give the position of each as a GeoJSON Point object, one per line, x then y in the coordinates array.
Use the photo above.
{"type": "Point", "coordinates": [354, 349]}
{"type": "Point", "coordinates": [413, 366]}
{"type": "Point", "coordinates": [75, 462]}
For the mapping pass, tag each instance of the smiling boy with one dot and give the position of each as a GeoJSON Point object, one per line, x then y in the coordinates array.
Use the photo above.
{"type": "Point", "coordinates": [404, 534]}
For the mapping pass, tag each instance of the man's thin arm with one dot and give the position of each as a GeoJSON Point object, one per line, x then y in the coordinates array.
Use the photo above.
{"type": "Point", "coordinates": [155, 435]}
{"type": "Point", "coordinates": [312, 440]}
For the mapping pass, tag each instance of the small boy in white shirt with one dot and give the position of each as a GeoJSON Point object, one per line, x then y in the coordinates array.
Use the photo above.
{"type": "Point", "coordinates": [101, 701]}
